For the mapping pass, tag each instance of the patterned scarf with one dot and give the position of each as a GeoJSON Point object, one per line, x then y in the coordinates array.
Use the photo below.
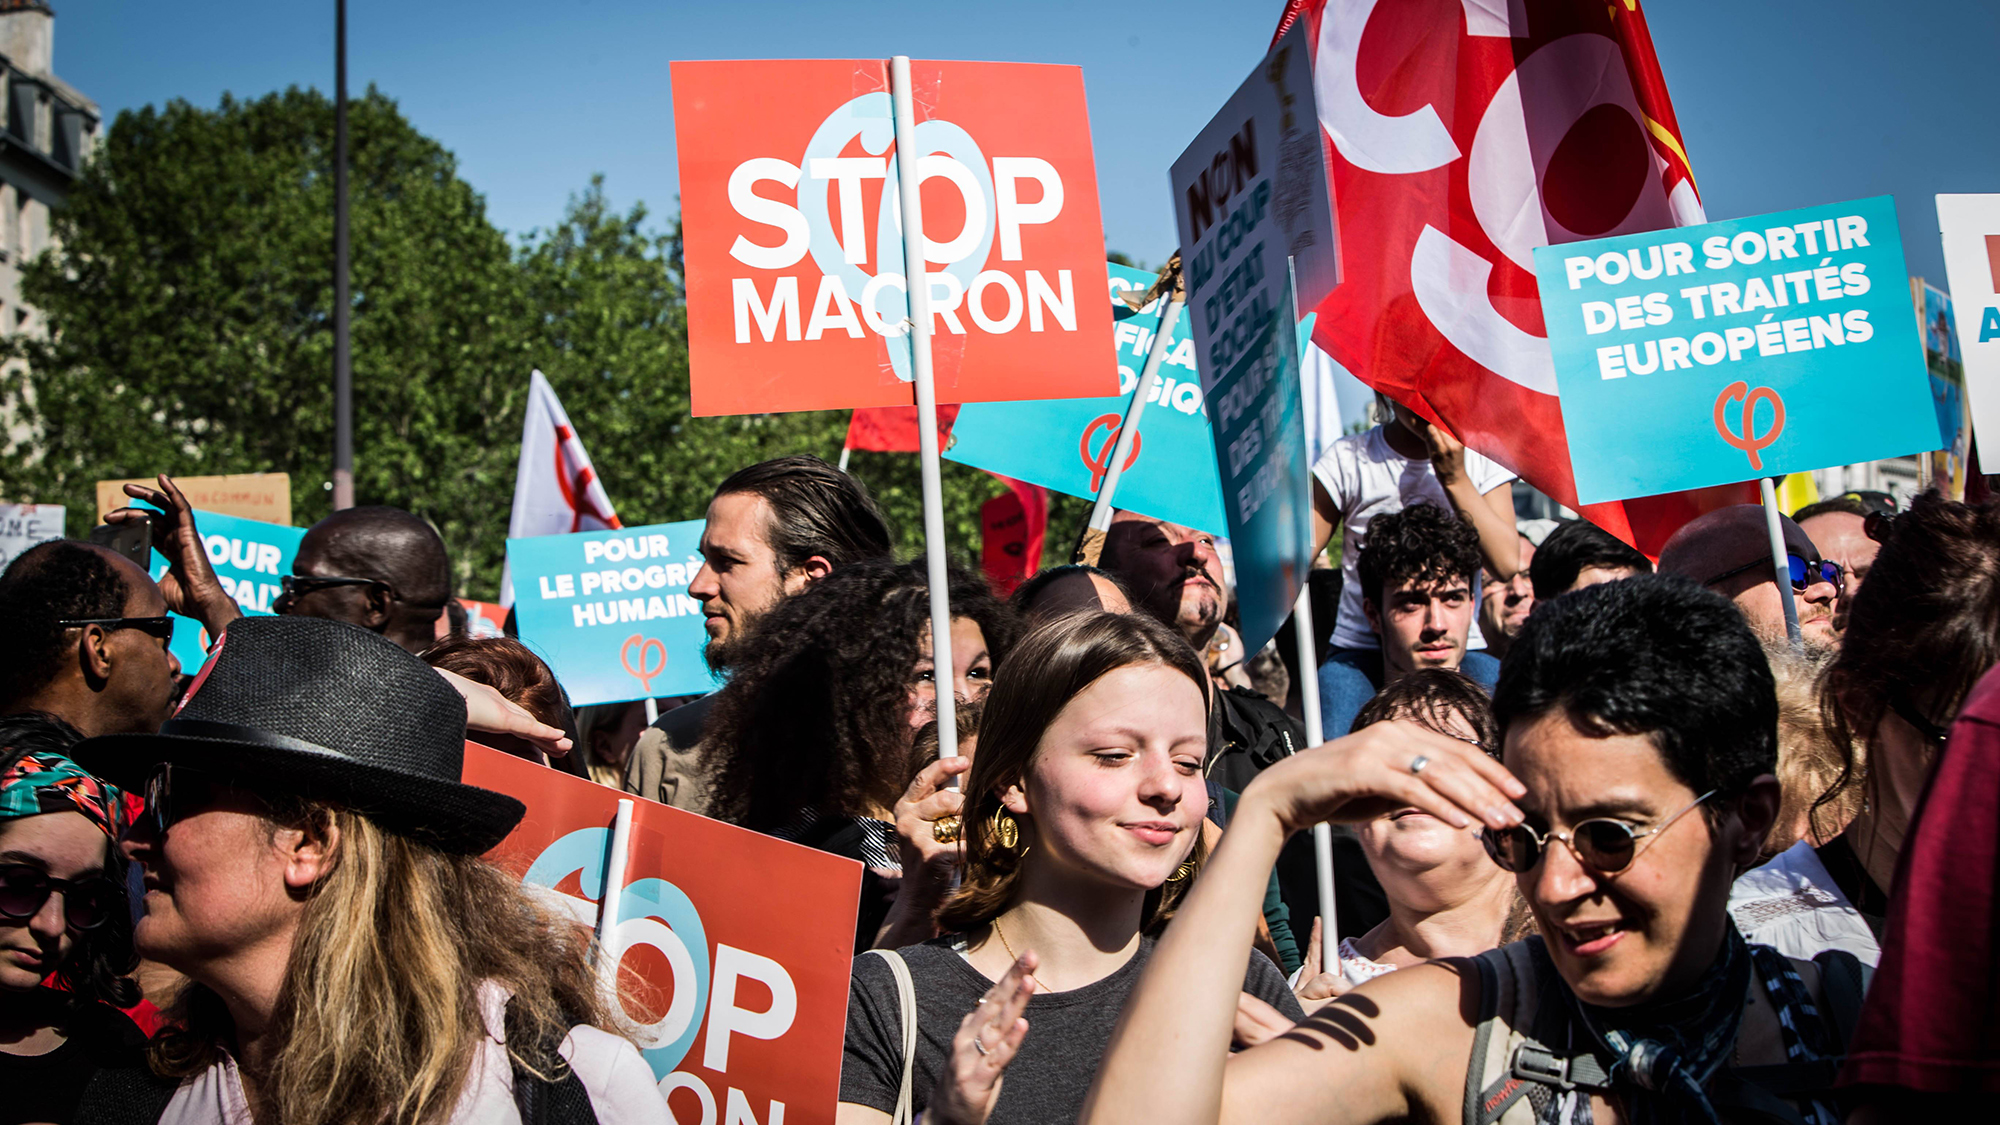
{"type": "Point", "coordinates": [41, 782]}
{"type": "Point", "coordinates": [1666, 1052]}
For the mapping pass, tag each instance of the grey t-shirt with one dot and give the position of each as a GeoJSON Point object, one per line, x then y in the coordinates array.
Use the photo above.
{"type": "Point", "coordinates": [1067, 1031]}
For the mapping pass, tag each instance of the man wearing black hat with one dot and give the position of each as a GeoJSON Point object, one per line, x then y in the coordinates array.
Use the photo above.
{"type": "Point", "coordinates": [1729, 551]}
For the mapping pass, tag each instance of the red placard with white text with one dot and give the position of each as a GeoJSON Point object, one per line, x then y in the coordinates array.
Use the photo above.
{"type": "Point", "coordinates": [743, 942]}
{"type": "Point", "coordinates": [794, 246]}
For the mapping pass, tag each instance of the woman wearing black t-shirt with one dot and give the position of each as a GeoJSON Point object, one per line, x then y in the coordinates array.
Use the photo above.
{"type": "Point", "coordinates": [64, 918]}
{"type": "Point", "coordinates": [1082, 816]}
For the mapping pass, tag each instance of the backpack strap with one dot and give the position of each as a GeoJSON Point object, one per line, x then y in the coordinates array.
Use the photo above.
{"type": "Point", "coordinates": [906, 1000]}
{"type": "Point", "coordinates": [558, 1099]}
{"type": "Point", "coordinates": [1516, 1003]}
{"type": "Point", "coordinates": [1843, 985]}
{"type": "Point", "coordinates": [125, 1095]}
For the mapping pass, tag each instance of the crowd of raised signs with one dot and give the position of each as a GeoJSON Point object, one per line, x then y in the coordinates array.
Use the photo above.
{"type": "Point", "coordinates": [1611, 844]}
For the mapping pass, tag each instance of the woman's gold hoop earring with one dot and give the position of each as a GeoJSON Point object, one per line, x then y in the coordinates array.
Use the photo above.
{"type": "Point", "coordinates": [1182, 873]}
{"type": "Point", "coordinates": [1005, 833]}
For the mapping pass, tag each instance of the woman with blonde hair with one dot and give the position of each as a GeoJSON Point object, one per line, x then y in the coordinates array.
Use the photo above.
{"type": "Point", "coordinates": [312, 865]}
{"type": "Point", "coordinates": [1081, 822]}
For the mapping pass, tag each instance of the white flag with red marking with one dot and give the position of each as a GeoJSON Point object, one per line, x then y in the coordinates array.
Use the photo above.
{"type": "Point", "coordinates": [556, 491]}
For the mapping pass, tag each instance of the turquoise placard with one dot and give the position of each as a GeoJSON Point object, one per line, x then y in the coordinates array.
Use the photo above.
{"type": "Point", "coordinates": [1065, 443]}
{"type": "Point", "coordinates": [610, 612]}
{"type": "Point", "coordinates": [1720, 353]}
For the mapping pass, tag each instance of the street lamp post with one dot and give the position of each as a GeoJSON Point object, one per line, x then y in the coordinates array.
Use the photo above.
{"type": "Point", "coordinates": [343, 368]}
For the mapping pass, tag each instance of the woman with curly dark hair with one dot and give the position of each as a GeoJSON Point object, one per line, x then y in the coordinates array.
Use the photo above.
{"type": "Point", "coordinates": [812, 735]}
{"type": "Point", "coordinates": [64, 916]}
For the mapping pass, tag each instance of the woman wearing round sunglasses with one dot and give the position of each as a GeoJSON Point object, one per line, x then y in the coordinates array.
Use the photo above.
{"type": "Point", "coordinates": [1638, 727]}
{"type": "Point", "coordinates": [64, 920]}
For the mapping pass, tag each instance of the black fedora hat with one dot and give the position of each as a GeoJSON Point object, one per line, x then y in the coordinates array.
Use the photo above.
{"type": "Point", "coordinates": [326, 711]}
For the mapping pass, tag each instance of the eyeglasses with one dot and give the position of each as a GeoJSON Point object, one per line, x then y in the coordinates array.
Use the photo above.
{"type": "Point", "coordinates": [1604, 844]}
{"type": "Point", "coordinates": [161, 627]}
{"type": "Point", "coordinates": [172, 794]}
{"type": "Point", "coordinates": [1804, 574]}
{"type": "Point", "coordinates": [87, 903]}
{"type": "Point", "coordinates": [296, 586]}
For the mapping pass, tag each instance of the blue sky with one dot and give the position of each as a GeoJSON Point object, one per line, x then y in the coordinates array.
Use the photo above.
{"type": "Point", "coordinates": [1783, 104]}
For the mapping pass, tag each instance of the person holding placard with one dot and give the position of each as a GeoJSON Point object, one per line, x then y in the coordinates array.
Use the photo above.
{"type": "Point", "coordinates": [1406, 460]}
{"type": "Point", "coordinates": [1081, 824]}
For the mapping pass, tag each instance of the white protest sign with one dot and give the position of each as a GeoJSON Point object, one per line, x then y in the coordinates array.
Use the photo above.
{"type": "Point", "coordinates": [1970, 228]}
{"type": "Point", "coordinates": [24, 525]}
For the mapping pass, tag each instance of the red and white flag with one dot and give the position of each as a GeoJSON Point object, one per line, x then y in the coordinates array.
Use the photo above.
{"type": "Point", "coordinates": [1458, 145]}
{"type": "Point", "coordinates": [893, 429]}
{"type": "Point", "coordinates": [556, 491]}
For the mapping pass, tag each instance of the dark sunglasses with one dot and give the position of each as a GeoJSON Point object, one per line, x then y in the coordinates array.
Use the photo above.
{"type": "Point", "coordinates": [172, 794]}
{"type": "Point", "coordinates": [1804, 574]}
{"type": "Point", "coordinates": [87, 903]}
{"type": "Point", "coordinates": [1604, 844]}
{"type": "Point", "coordinates": [1876, 525]}
{"type": "Point", "coordinates": [296, 586]}
{"type": "Point", "coordinates": [161, 627]}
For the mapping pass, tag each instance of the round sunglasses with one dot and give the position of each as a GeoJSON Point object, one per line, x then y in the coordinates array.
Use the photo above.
{"type": "Point", "coordinates": [1604, 844]}
{"type": "Point", "coordinates": [87, 903]}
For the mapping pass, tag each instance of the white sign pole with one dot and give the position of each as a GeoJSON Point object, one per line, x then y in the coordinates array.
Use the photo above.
{"type": "Point", "coordinates": [917, 282]}
{"type": "Point", "coordinates": [1784, 569]}
{"type": "Point", "coordinates": [619, 852]}
{"type": "Point", "coordinates": [1149, 381]}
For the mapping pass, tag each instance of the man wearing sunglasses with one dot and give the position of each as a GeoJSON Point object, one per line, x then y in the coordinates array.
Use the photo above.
{"type": "Point", "coordinates": [383, 569]}
{"type": "Point", "coordinates": [1638, 721]}
{"type": "Point", "coordinates": [87, 636]}
{"type": "Point", "coordinates": [1729, 551]}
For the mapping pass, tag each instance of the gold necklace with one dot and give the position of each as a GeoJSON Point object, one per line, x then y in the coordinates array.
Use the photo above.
{"type": "Point", "coordinates": [1002, 935]}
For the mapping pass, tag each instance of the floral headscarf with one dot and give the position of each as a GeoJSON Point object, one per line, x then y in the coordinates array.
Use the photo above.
{"type": "Point", "coordinates": [43, 782]}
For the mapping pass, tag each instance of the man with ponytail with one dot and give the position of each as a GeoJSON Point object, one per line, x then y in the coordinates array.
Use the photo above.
{"type": "Point", "coordinates": [312, 865]}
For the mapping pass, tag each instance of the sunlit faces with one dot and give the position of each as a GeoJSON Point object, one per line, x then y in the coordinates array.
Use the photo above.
{"type": "Point", "coordinates": [1840, 537]}
{"type": "Point", "coordinates": [1423, 624]}
{"type": "Point", "coordinates": [1172, 570]}
{"type": "Point", "coordinates": [971, 670]}
{"type": "Point", "coordinates": [1654, 928]}
{"type": "Point", "coordinates": [1757, 596]}
{"type": "Point", "coordinates": [739, 578]}
{"type": "Point", "coordinates": [219, 883]}
{"type": "Point", "coordinates": [1504, 606]}
{"type": "Point", "coordinates": [143, 670]}
{"type": "Point", "coordinates": [1114, 795]}
{"type": "Point", "coordinates": [1408, 849]}
{"type": "Point", "coordinates": [64, 846]}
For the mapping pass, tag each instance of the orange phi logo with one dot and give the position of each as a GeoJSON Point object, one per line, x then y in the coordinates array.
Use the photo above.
{"type": "Point", "coordinates": [647, 647]}
{"type": "Point", "coordinates": [1748, 440]}
{"type": "Point", "coordinates": [1099, 463]}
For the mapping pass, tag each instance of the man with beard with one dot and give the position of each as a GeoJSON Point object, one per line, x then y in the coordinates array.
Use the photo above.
{"type": "Point", "coordinates": [772, 530]}
{"type": "Point", "coordinates": [1729, 551]}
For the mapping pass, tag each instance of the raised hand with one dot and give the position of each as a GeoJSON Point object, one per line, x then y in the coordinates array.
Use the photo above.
{"type": "Point", "coordinates": [1317, 987]}
{"type": "Point", "coordinates": [489, 711]}
{"type": "Point", "coordinates": [987, 1041]}
{"type": "Point", "coordinates": [928, 862]}
{"type": "Point", "coordinates": [189, 585]}
{"type": "Point", "coordinates": [1385, 767]}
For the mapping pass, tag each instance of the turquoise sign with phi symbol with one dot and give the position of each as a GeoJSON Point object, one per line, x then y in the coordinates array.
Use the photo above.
{"type": "Point", "coordinates": [1720, 353]}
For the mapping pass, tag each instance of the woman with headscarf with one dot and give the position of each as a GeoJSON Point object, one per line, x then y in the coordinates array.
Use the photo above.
{"type": "Point", "coordinates": [312, 864]}
{"type": "Point", "coordinates": [64, 920]}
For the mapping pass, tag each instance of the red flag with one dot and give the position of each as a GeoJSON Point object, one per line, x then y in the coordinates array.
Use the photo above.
{"type": "Point", "coordinates": [1013, 525]}
{"type": "Point", "coordinates": [1458, 146]}
{"type": "Point", "coordinates": [893, 429]}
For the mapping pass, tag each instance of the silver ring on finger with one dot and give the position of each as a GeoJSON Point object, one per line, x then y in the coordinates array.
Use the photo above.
{"type": "Point", "coordinates": [978, 1044]}
{"type": "Point", "coordinates": [1418, 763]}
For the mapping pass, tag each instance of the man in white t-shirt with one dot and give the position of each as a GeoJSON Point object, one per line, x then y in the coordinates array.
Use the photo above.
{"type": "Point", "coordinates": [1404, 461]}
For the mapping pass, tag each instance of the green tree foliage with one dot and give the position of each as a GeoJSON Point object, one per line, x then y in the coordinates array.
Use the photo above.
{"type": "Point", "coordinates": [189, 314]}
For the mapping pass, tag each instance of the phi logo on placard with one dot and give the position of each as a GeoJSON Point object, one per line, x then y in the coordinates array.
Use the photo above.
{"type": "Point", "coordinates": [658, 915]}
{"type": "Point", "coordinates": [831, 176]}
{"type": "Point", "coordinates": [1748, 439]}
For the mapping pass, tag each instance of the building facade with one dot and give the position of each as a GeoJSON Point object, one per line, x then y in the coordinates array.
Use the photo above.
{"type": "Point", "coordinates": [50, 129]}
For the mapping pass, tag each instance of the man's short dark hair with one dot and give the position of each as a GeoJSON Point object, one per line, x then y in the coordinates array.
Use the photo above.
{"type": "Point", "coordinates": [815, 510]}
{"type": "Point", "coordinates": [1849, 504]}
{"type": "Point", "coordinates": [1025, 595]}
{"type": "Point", "coordinates": [1431, 697]}
{"type": "Point", "coordinates": [1574, 547]}
{"type": "Point", "coordinates": [1421, 543]}
{"type": "Point", "coordinates": [1654, 655]}
{"type": "Point", "coordinates": [61, 580]}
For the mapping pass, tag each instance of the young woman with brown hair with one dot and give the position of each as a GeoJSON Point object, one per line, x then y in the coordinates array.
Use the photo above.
{"type": "Point", "coordinates": [312, 865]}
{"type": "Point", "coordinates": [1082, 815]}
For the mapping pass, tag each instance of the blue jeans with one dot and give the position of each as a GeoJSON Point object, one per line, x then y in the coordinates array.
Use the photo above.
{"type": "Point", "coordinates": [1351, 677]}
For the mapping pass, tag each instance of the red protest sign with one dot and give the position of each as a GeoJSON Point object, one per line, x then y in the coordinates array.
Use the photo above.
{"type": "Point", "coordinates": [794, 245]}
{"type": "Point", "coordinates": [743, 942]}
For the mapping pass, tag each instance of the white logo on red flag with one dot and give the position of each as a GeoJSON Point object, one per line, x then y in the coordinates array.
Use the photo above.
{"type": "Point", "coordinates": [1457, 147]}
{"type": "Point", "coordinates": [556, 490]}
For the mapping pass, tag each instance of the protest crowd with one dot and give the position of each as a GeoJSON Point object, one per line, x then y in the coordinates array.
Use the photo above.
{"type": "Point", "coordinates": [1537, 823]}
